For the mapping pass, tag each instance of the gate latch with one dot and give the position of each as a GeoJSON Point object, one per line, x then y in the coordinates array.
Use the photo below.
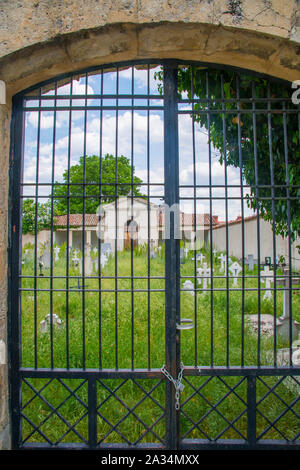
{"type": "Point", "coordinates": [177, 383]}
{"type": "Point", "coordinates": [187, 324]}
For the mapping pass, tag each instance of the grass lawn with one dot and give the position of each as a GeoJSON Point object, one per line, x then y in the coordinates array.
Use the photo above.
{"type": "Point", "coordinates": [124, 330]}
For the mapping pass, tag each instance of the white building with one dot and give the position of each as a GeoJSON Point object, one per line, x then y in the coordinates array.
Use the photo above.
{"type": "Point", "coordinates": [251, 240]}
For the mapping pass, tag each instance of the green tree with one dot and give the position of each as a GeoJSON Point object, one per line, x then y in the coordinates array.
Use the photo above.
{"type": "Point", "coordinates": [262, 160]}
{"type": "Point", "coordinates": [114, 174]}
{"type": "Point", "coordinates": [29, 219]}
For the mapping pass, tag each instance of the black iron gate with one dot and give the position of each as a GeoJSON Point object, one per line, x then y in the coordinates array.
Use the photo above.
{"type": "Point", "coordinates": [169, 339]}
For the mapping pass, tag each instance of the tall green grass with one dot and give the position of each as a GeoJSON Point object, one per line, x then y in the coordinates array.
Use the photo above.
{"type": "Point", "coordinates": [109, 326]}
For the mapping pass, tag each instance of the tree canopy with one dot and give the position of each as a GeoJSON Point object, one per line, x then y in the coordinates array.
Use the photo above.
{"type": "Point", "coordinates": [115, 176]}
{"type": "Point", "coordinates": [32, 215]}
{"type": "Point", "coordinates": [269, 151]}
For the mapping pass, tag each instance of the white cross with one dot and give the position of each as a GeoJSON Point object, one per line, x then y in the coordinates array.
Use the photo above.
{"type": "Point", "coordinates": [200, 257]}
{"type": "Point", "coordinates": [223, 259]}
{"type": "Point", "coordinates": [235, 270]}
{"type": "Point", "coordinates": [189, 286]}
{"type": "Point", "coordinates": [56, 251]}
{"type": "Point", "coordinates": [267, 274]}
{"type": "Point", "coordinates": [204, 273]}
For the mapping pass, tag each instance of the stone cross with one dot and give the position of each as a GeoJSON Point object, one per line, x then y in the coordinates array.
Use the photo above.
{"type": "Point", "coordinates": [88, 265]}
{"type": "Point", "coordinates": [76, 260]}
{"type": "Point", "coordinates": [189, 287]}
{"type": "Point", "coordinates": [204, 273]}
{"type": "Point", "coordinates": [56, 251]}
{"type": "Point", "coordinates": [286, 295]}
{"type": "Point", "coordinates": [284, 323]}
{"type": "Point", "coordinates": [235, 270]}
{"type": "Point", "coordinates": [251, 262]}
{"type": "Point", "coordinates": [267, 275]}
{"type": "Point", "coordinates": [153, 254]}
{"type": "Point", "coordinates": [200, 257]}
{"type": "Point", "coordinates": [223, 259]}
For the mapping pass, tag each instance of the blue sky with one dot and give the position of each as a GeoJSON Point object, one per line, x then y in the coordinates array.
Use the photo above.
{"type": "Point", "coordinates": [126, 119]}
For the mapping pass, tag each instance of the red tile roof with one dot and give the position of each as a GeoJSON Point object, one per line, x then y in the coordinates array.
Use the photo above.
{"type": "Point", "coordinates": [75, 220]}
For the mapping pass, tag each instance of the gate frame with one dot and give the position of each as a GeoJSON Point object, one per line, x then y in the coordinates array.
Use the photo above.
{"type": "Point", "coordinates": [172, 277]}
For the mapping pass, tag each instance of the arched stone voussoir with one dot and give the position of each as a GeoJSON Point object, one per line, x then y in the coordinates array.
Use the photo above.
{"type": "Point", "coordinates": [207, 43]}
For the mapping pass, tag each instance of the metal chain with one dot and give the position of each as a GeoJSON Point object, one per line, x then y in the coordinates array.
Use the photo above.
{"type": "Point", "coordinates": [177, 383]}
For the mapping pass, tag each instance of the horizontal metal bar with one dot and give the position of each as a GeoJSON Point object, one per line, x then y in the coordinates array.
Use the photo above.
{"type": "Point", "coordinates": [241, 371]}
{"type": "Point", "coordinates": [155, 373]}
{"type": "Point", "coordinates": [234, 111]}
{"type": "Point", "coordinates": [72, 446]}
{"type": "Point", "coordinates": [97, 277]}
{"type": "Point", "coordinates": [236, 444]}
{"type": "Point", "coordinates": [86, 373]}
{"type": "Point", "coordinates": [89, 290]}
{"type": "Point", "coordinates": [92, 97]}
{"type": "Point", "coordinates": [93, 108]}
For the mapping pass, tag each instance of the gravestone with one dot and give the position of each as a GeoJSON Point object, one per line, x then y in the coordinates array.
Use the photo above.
{"type": "Point", "coordinates": [199, 257]}
{"type": "Point", "coordinates": [45, 324]}
{"type": "Point", "coordinates": [182, 261]}
{"type": "Point", "coordinates": [235, 270]}
{"type": "Point", "coordinates": [267, 260]}
{"type": "Point", "coordinates": [189, 287]}
{"type": "Point", "coordinates": [267, 276]}
{"type": "Point", "coordinates": [204, 276]}
{"type": "Point", "coordinates": [76, 260]}
{"type": "Point", "coordinates": [56, 252]}
{"type": "Point", "coordinates": [223, 259]}
{"type": "Point", "coordinates": [153, 253]}
{"type": "Point", "coordinates": [45, 258]}
{"type": "Point", "coordinates": [250, 261]}
{"type": "Point", "coordinates": [106, 248]}
{"type": "Point", "coordinates": [88, 262]}
{"type": "Point", "coordinates": [284, 323]}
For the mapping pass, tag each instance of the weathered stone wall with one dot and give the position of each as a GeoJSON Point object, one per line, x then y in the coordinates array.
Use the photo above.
{"type": "Point", "coordinates": [40, 39]}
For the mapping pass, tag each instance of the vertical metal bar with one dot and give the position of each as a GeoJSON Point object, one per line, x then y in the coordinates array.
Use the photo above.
{"type": "Point", "coordinates": [36, 234]}
{"type": "Point", "coordinates": [242, 215]}
{"type": "Point", "coordinates": [92, 411]}
{"type": "Point", "coordinates": [287, 182]}
{"type": "Point", "coordinates": [226, 218]}
{"type": "Point", "coordinates": [52, 228]}
{"type": "Point", "coordinates": [116, 229]}
{"type": "Point", "coordinates": [273, 221]}
{"type": "Point", "coordinates": [257, 195]}
{"type": "Point", "coordinates": [172, 292]}
{"type": "Point", "coordinates": [148, 220]}
{"type": "Point", "coordinates": [83, 225]}
{"type": "Point", "coordinates": [210, 225]}
{"type": "Point", "coordinates": [14, 268]}
{"type": "Point", "coordinates": [194, 222]}
{"type": "Point", "coordinates": [68, 231]}
{"type": "Point", "coordinates": [131, 219]}
{"type": "Point", "coordinates": [251, 410]}
{"type": "Point", "coordinates": [99, 234]}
